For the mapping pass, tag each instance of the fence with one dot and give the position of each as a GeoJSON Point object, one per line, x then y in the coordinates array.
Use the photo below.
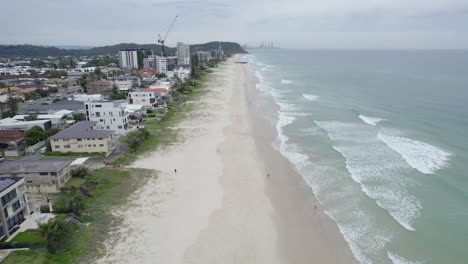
{"type": "Point", "coordinates": [35, 146]}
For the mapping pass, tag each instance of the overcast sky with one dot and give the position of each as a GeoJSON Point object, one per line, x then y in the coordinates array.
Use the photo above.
{"type": "Point", "coordinates": [362, 24]}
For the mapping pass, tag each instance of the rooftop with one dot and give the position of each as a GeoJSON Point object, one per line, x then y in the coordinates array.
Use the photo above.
{"type": "Point", "coordinates": [33, 166]}
{"type": "Point", "coordinates": [5, 183]}
{"type": "Point", "coordinates": [12, 121]}
{"type": "Point", "coordinates": [83, 129]}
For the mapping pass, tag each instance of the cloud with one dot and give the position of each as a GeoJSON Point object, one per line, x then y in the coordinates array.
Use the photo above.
{"type": "Point", "coordinates": [292, 23]}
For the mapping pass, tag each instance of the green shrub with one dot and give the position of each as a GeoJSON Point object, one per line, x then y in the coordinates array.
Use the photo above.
{"type": "Point", "coordinates": [79, 172]}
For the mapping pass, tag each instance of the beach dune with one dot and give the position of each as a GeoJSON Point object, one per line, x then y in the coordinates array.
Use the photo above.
{"type": "Point", "coordinates": [213, 201]}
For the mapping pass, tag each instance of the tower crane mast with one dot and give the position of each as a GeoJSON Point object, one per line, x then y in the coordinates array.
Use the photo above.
{"type": "Point", "coordinates": [163, 40]}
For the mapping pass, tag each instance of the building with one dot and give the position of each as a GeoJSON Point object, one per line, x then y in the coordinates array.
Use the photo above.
{"type": "Point", "coordinates": [160, 90]}
{"type": "Point", "coordinates": [183, 54]}
{"type": "Point", "coordinates": [57, 119]}
{"type": "Point", "coordinates": [109, 115]}
{"type": "Point", "coordinates": [136, 82]}
{"type": "Point", "coordinates": [203, 57]}
{"type": "Point", "coordinates": [148, 99]}
{"type": "Point", "coordinates": [11, 123]}
{"type": "Point", "coordinates": [133, 58]}
{"type": "Point", "coordinates": [13, 207]}
{"type": "Point", "coordinates": [161, 64]}
{"type": "Point", "coordinates": [123, 86]}
{"type": "Point", "coordinates": [76, 107]}
{"type": "Point", "coordinates": [11, 138]}
{"type": "Point", "coordinates": [100, 87]}
{"type": "Point", "coordinates": [40, 175]}
{"type": "Point", "coordinates": [83, 137]}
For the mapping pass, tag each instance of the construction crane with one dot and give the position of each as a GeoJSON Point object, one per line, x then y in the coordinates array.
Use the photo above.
{"type": "Point", "coordinates": [163, 40]}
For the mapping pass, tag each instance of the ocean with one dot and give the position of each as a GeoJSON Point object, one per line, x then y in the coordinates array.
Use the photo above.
{"type": "Point", "coordinates": [381, 138]}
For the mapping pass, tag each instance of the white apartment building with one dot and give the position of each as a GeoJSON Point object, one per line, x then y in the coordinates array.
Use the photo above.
{"type": "Point", "coordinates": [183, 54]}
{"type": "Point", "coordinates": [148, 99]}
{"type": "Point", "coordinates": [128, 59]}
{"type": "Point", "coordinates": [109, 115]}
{"type": "Point", "coordinates": [161, 64]}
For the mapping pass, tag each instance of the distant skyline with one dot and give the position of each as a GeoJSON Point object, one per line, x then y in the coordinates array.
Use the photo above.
{"type": "Point", "coordinates": [348, 24]}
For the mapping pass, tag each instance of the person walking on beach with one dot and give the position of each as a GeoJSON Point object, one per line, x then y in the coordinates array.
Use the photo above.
{"type": "Point", "coordinates": [175, 171]}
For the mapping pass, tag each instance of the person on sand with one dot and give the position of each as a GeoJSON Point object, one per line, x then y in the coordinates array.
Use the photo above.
{"type": "Point", "coordinates": [268, 175]}
{"type": "Point", "coordinates": [175, 171]}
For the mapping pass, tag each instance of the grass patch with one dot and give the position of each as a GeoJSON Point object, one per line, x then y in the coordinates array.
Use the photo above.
{"type": "Point", "coordinates": [74, 182]}
{"type": "Point", "coordinates": [71, 155]}
{"type": "Point", "coordinates": [29, 236]}
{"type": "Point", "coordinates": [35, 256]}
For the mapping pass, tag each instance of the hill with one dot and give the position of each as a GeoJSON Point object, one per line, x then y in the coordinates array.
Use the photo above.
{"type": "Point", "coordinates": [44, 51]}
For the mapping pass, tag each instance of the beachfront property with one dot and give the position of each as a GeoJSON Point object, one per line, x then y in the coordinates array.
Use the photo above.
{"type": "Point", "coordinates": [83, 137]}
{"type": "Point", "coordinates": [41, 176]}
{"type": "Point", "coordinates": [157, 63]}
{"type": "Point", "coordinates": [11, 123]}
{"type": "Point", "coordinates": [109, 115]}
{"type": "Point", "coordinates": [13, 206]}
{"type": "Point", "coordinates": [148, 99]}
{"type": "Point", "coordinates": [183, 54]}
{"type": "Point", "coordinates": [133, 58]}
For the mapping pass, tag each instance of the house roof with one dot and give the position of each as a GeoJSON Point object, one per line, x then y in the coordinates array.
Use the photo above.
{"type": "Point", "coordinates": [59, 105]}
{"type": "Point", "coordinates": [83, 129]}
{"type": "Point", "coordinates": [11, 134]}
{"type": "Point", "coordinates": [33, 166]}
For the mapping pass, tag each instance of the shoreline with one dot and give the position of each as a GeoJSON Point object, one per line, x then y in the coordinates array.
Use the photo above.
{"type": "Point", "coordinates": [219, 206]}
{"type": "Point", "coordinates": [298, 212]}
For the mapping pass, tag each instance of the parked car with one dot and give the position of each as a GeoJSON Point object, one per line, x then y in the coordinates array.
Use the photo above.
{"type": "Point", "coordinates": [2, 158]}
{"type": "Point", "coordinates": [43, 150]}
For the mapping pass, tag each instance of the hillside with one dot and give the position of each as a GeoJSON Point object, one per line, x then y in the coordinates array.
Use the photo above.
{"type": "Point", "coordinates": [43, 51]}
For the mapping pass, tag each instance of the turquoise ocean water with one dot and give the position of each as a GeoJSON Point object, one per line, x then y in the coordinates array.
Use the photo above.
{"type": "Point", "coordinates": [382, 139]}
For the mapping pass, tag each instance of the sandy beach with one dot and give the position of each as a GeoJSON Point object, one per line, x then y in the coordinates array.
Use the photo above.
{"type": "Point", "coordinates": [219, 206]}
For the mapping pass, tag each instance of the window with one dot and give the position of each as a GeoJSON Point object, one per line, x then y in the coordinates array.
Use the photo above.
{"type": "Point", "coordinates": [120, 127]}
{"type": "Point", "coordinates": [43, 173]}
{"type": "Point", "coordinates": [101, 145]}
{"type": "Point", "coordinates": [94, 145]}
{"type": "Point", "coordinates": [97, 105]}
{"type": "Point", "coordinates": [98, 114]}
{"type": "Point", "coordinates": [79, 139]}
{"type": "Point", "coordinates": [66, 140]}
{"type": "Point", "coordinates": [16, 205]}
{"type": "Point", "coordinates": [66, 146]}
{"type": "Point", "coordinates": [5, 211]}
{"type": "Point", "coordinates": [53, 173]}
{"type": "Point", "coordinates": [100, 138]}
{"type": "Point", "coordinates": [8, 197]}
{"type": "Point", "coordinates": [80, 146]}
{"type": "Point", "coordinates": [56, 146]}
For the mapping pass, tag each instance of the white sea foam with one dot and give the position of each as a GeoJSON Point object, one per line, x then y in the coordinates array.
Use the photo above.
{"type": "Point", "coordinates": [311, 97]}
{"type": "Point", "coordinates": [400, 260]}
{"type": "Point", "coordinates": [373, 121]}
{"type": "Point", "coordinates": [382, 174]}
{"type": "Point", "coordinates": [286, 81]}
{"type": "Point", "coordinates": [422, 156]}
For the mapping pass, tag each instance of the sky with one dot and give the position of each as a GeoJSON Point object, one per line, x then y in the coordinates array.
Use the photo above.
{"type": "Point", "coordinates": [314, 24]}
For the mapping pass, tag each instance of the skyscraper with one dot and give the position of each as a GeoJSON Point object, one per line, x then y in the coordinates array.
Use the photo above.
{"type": "Point", "coordinates": [183, 54]}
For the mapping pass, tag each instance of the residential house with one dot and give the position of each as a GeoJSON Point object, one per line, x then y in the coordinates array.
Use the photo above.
{"type": "Point", "coordinates": [11, 138]}
{"type": "Point", "coordinates": [83, 137]}
{"type": "Point", "coordinates": [109, 115]}
{"type": "Point", "coordinates": [136, 82]}
{"type": "Point", "coordinates": [40, 175]}
{"type": "Point", "coordinates": [11, 123]}
{"type": "Point", "coordinates": [13, 206]}
{"type": "Point", "coordinates": [148, 99]}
